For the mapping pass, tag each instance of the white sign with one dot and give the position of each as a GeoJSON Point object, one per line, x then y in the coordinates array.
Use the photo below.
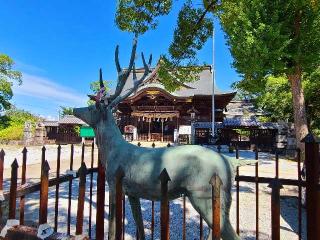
{"type": "Point", "coordinates": [184, 129]}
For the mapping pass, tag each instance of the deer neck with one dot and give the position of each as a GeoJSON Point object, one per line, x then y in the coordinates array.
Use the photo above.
{"type": "Point", "coordinates": [108, 136]}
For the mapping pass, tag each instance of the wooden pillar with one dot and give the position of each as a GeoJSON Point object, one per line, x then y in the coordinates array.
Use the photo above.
{"type": "Point", "coordinates": [161, 130]}
{"type": "Point", "coordinates": [149, 133]}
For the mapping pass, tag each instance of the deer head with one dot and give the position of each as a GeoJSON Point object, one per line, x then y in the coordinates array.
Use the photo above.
{"type": "Point", "coordinates": [105, 104]}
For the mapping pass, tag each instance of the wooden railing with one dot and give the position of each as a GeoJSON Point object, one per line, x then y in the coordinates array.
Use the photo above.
{"type": "Point", "coordinates": [20, 191]}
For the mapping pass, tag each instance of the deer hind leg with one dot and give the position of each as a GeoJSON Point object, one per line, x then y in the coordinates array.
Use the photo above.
{"type": "Point", "coordinates": [204, 207]}
{"type": "Point", "coordinates": [137, 215]}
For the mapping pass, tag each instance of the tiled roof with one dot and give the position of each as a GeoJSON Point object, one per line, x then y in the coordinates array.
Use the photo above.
{"type": "Point", "coordinates": [237, 122]}
{"type": "Point", "coordinates": [70, 119]}
{"type": "Point", "coordinates": [203, 86]}
{"type": "Point", "coordinates": [47, 123]}
{"type": "Point", "coordinates": [241, 108]}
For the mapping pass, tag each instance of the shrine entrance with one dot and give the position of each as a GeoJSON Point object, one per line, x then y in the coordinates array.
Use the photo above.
{"type": "Point", "coordinates": [156, 125]}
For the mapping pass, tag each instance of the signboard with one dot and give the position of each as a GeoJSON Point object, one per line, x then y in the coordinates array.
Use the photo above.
{"type": "Point", "coordinates": [185, 129]}
{"type": "Point", "coordinates": [87, 132]}
{"type": "Point", "coordinates": [129, 129]}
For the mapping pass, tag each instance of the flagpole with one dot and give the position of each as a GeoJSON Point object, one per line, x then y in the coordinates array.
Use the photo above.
{"type": "Point", "coordinates": [213, 83]}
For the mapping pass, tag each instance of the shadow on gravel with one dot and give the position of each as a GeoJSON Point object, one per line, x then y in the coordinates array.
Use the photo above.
{"type": "Point", "coordinates": [289, 212]}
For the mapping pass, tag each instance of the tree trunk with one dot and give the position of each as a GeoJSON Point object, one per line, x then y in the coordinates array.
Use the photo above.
{"type": "Point", "coordinates": [299, 110]}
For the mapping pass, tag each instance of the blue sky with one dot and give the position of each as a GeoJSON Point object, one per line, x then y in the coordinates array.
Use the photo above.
{"type": "Point", "coordinates": [60, 45]}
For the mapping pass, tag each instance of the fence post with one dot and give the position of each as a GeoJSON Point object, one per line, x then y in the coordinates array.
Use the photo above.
{"type": "Point", "coordinates": [82, 191]}
{"type": "Point", "coordinates": [238, 194]}
{"type": "Point", "coordinates": [82, 152]}
{"type": "Point", "coordinates": [56, 207]}
{"type": "Point", "coordinates": [44, 190]}
{"type": "Point", "coordinates": [216, 183]}
{"type": "Point", "coordinates": [312, 183]}
{"type": "Point", "coordinates": [257, 191]}
{"type": "Point", "coordinates": [91, 186]}
{"type": "Point", "coordinates": [13, 189]}
{"type": "Point", "coordinates": [70, 190]}
{"type": "Point", "coordinates": [119, 196]}
{"type": "Point", "coordinates": [2, 154]}
{"type": "Point", "coordinates": [275, 185]}
{"type": "Point", "coordinates": [123, 216]}
{"type": "Point", "coordinates": [153, 145]}
{"type": "Point", "coordinates": [299, 193]}
{"type": "Point", "coordinates": [43, 155]}
{"type": "Point", "coordinates": [23, 181]}
{"type": "Point", "coordinates": [184, 218]}
{"type": "Point", "coordinates": [100, 199]}
{"type": "Point", "coordinates": [164, 215]}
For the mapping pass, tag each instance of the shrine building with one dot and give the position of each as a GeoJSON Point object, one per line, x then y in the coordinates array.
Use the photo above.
{"type": "Point", "coordinates": [154, 114]}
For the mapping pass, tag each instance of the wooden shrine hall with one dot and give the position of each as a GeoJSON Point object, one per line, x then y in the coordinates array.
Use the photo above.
{"type": "Point", "coordinates": [154, 114]}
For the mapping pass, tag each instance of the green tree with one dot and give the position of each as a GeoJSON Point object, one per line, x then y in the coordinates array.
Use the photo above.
{"type": "Point", "coordinates": [95, 87]}
{"type": "Point", "coordinates": [276, 98]}
{"type": "Point", "coordinates": [194, 27]}
{"type": "Point", "coordinates": [312, 95]}
{"type": "Point", "coordinates": [265, 37]}
{"type": "Point", "coordinates": [12, 123]}
{"type": "Point", "coordinates": [65, 111]}
{"type": "Point", "coordinates": [7, 78]}
{"type": "Point", "coordinates": [274, 37]}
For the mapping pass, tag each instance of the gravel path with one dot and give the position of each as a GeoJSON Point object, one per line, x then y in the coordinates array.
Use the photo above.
{"type": "Point", "coordinates": [289, 203]}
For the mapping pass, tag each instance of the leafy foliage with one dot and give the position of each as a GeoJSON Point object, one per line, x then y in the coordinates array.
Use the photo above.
{"type": "Point", "coordinates": [312, 95]}
{"type": "Point", "coordinates": [272, 37]}
{"type": "Point", "coordinates": [138, 16]}
{"type": "Point", "coordinates": [12, 124]}
{"type": "Point", "coordinates": [95, 87]}
{"type": "Point", "coordinates": [276, 98]}
{"type": "Point", "coordinates": [192, 31]}
{"type": "Point", "coordinates": [7, 77]}
{"type": "Point", "coordinates": [66, 111]}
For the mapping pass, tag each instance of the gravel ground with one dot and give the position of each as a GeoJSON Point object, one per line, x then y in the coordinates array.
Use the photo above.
{"type": "Point", "coordinates": [289, 203]}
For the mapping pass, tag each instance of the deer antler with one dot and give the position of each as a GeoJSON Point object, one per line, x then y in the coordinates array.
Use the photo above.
{"type": "Point", "coordinates": [124, 74]}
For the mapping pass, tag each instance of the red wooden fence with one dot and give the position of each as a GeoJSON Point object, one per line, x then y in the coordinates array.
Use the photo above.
{"type": "Point", "coordinates": [18, 192]}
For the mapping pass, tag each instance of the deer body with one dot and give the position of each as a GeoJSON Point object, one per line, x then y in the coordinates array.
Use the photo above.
{"type": "Point", "coordinates": [190, 167]}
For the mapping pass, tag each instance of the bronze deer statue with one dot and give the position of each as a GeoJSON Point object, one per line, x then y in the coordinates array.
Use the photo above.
{"type": "Point", "coordinates": [190, 167]}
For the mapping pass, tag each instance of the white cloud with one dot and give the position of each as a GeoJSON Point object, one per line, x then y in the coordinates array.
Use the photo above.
{"type": "Point", "coordinates": [24, 67]}
{"type": "Point", "coordinates": [44, 88]}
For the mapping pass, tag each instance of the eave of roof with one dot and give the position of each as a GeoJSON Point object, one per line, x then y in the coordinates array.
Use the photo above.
{"type": "Point", "coordinates": [202, 87]}
{"type": "Point", "coordinates": [71, 120]}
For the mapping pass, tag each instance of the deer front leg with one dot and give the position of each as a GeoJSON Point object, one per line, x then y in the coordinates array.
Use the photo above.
{"type": "Point", "coordinates": [112, 214]}
{"type": "Point", "coordinates": [137, 215]}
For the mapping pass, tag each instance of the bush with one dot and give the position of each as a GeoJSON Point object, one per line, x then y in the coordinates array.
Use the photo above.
{"type": "Point", "coordinates": [12, 124]}
{"type": "Point", "coordinates": [13, 132]}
